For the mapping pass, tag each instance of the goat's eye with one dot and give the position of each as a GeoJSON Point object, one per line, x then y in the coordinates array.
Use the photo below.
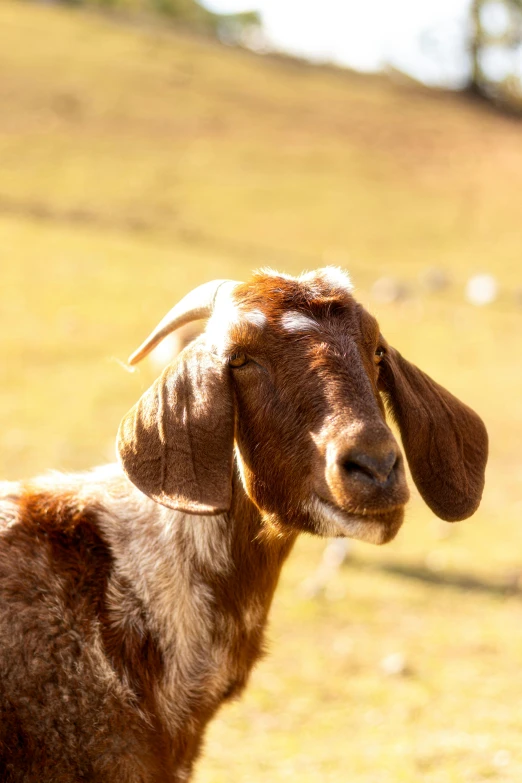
{"type": "Point", "coordinates": [238, 359]}
{"type": "Point", "coordinates": [379, 353]}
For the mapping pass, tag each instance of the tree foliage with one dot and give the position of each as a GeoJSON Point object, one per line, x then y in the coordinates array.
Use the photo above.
{"type": "Point", "coordinates": [496, 51]}
{"type": "Point", "coordinates": [185, 12]}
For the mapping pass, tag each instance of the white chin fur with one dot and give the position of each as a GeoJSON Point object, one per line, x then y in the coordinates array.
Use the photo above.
{"type": "Point", "coordinates": [332, 522]}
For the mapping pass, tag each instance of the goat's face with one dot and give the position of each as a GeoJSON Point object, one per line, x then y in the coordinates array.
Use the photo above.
{"type": "Point", "coordinates": [291, 371]}
{"type": "Point", "coordinates": [312, 444]}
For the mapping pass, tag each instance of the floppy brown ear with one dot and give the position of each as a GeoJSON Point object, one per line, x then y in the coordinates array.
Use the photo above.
{"type": "Point", "coordinates": [176, 443]}
{"type": "Point", "coordinates": [445, 442]}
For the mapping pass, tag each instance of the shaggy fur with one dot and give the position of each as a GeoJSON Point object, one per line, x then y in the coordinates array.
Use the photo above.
{"type": "Point", "coordinates": [134, 602]}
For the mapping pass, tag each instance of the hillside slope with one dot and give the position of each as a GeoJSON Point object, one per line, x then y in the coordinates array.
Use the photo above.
{"type": "Point", "coordinates": [127, 129]}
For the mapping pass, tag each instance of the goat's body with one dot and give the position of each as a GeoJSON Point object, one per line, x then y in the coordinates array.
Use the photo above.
{"type": "Point", "coordinates": [123, 626]}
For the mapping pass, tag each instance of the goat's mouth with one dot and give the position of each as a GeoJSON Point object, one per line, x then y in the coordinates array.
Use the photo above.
{"type": "Point", "coordinates": [375, 526]}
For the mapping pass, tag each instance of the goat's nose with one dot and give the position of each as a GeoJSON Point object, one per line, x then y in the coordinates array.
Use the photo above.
{"type": "Point", "coordinates": [376, 466]}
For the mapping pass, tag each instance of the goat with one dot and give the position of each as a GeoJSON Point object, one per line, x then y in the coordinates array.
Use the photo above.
{"type": "Point", "coordinates": [134, 599]}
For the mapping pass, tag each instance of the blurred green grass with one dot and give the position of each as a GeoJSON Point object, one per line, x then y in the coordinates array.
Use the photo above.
{"type": "Point", "coordinates": [135, 164]}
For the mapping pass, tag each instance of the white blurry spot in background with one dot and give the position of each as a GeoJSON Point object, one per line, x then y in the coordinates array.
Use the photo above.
{"type": "Point", "coordinates": [336, 552]}
{"type": "Point", "coordinates": [502, 758]}
{"type": "Point", "coordinates": [387, 290]}
{"type": "Point", "coordinates": [395, 665]}
{"type": "Point", "coordinates": [434, 279]}
{"type": "Point", "coordinates": [481, 290]}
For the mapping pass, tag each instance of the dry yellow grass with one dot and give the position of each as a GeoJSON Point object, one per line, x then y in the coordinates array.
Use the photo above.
{"type": "Point", "coordinates": [135, 163]}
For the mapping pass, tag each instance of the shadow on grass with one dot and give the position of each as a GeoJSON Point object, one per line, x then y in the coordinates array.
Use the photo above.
{"type": "Point", "coordinates": [458, 581]}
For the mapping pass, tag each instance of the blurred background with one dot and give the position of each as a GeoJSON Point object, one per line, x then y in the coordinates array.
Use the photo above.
{"type": "Point", "coordinates": [147, 146]}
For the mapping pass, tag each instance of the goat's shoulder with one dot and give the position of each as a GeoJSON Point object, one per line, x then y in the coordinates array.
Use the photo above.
{"type": "Point", "coordinates": [61, 670]}
{"type": "Point", "coordinates": [55, 534]}
{"type": "Point", "coordinates": [51, 548]}
{"type": "Point", "coordinates": [58, 499]}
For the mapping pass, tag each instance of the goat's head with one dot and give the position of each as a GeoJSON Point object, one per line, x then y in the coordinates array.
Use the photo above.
{"type": "Point", "coordinates": [293, 371]}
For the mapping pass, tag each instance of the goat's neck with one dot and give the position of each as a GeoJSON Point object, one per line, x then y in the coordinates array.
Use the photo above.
{"type": "Point", "coordinates": [154, 544]}
{"type": "Point", "coordinates": [258, 548]}
{"type": "Point", "coordinates": [206, 585]}
{"type": "Point", "coordinates": [200, 577]}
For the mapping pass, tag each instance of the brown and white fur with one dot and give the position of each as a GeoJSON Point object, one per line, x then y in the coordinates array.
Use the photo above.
{"type": "Point", "coordinates": [133, 601]}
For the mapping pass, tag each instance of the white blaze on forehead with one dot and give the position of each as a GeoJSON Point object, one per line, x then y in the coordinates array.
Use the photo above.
{"type": "Point", "coordinates": [227, 314]}
{"type": "Point", "coordinates": [254, 317]}
{"type": "Point", "coordinates": [298, 322]}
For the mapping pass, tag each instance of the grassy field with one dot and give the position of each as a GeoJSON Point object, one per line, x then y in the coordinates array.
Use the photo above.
{"type": "Point", "coordinates": [136, 163]}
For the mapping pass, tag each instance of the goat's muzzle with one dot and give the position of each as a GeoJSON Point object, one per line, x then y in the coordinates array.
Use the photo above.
{"type": "Point", "coordinates": [363, 483]}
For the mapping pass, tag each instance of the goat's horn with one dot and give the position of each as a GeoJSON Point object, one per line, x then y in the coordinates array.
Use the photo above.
{"type": "Point", "coordinates": [198, 303]}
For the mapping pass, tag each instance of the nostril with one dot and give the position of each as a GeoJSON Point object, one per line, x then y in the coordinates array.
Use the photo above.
{"type": "Point", "coordinates": [351, 466]}
{"type": "Point", "coordinates": [378, 468]}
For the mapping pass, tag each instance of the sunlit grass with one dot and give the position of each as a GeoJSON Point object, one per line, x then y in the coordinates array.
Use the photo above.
{"type": "Point", "coordinates": [136, 164]}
